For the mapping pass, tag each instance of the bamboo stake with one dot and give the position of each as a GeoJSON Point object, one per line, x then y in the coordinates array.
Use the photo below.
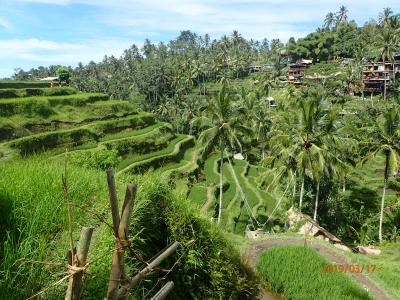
{"type": "Point", "coordinates": [142, 273]}
{"type": "Point", "coordinates": [75, 284]}
{"type": "Point", "coordinates": [121, 227]}
{"type": "Point", "coordinates": [164, 291]}
{"type": "Point", "coordinates": [113, 200]}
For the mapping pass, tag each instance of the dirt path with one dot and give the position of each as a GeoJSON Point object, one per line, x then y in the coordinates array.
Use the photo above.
{"type": "Point", "coordinates": [209, 199]}
{"type": "Point", "coordinates": [254, 251]}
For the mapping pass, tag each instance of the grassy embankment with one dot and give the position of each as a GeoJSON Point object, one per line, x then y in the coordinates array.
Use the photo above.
{"type": "Point", "coordinates": [34, 225]}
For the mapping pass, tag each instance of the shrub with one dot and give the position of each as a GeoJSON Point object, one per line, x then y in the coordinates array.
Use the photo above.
{"type": "Point", "coordinates": [209, 268]}
{"type": "Point", "coordinates": [102, 159]}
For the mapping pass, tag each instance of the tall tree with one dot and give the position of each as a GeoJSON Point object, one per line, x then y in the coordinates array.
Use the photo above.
{"type": "Point", "coordinates": [329, 21]}
{"type": "Point", "coordinates": [220, 123]}
{"type": "Point", "coordinates": [385, 139]}
{"type": "Point", "coordinates": [342, 14]}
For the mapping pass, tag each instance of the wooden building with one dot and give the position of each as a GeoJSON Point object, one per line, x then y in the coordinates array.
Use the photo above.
{"type": "Point", "coordinates": [378, 74]}
{"type": "Point", "coordinates": [296, 73]}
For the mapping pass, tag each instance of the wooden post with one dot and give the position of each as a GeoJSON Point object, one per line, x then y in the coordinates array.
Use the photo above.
{"type": "Point", "coordinates": [121, 228]}
{"type": "Point", "coordinates": [113, 200]}
{"type": "Point", "coordinates": [142, 273]}
{"type": "Point", "coordinates": [75, 284]}
{"type": "Point", "coordinates": [164, 291]}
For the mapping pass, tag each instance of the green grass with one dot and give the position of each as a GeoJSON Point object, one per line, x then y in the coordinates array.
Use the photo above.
{"type": "Point", "coordinates": [80, 135]}
{"type": "Point", "coordinates": [15, 84]}
{"type": "Point", "coordinates": [34, 220]}
{"type": "Point", "coordinates": [388, 267]}
{"type": "Point", "coordinates": [42, 105]}
{"type": "Point", "coordinates": [173, 148]}
{"type": "Point", "coordinates": [198, 194]}
{"type": "Point", "coordinates": [298, 273]}
{"type": "Point", "coordinates": [28, 92]}
{"type": "Point", "coordinates": [256, 197]}
{"type": "Point", "coordinates": [210, 170]}
{"type": "Point", "coordinates": [131, 133]}
{"type": "Point", "coordinates": [63, 117]}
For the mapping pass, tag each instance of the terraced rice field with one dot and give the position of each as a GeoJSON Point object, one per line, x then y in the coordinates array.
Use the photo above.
{"type": "Point", "coordinates": [50, 121]}
{"type": "Point", "coordinates": [54, 120]}
{"type": "Point", "coordinates": [260, 201]}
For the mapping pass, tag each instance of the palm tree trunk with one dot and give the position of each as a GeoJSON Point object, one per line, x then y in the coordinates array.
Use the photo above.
{"type": "Point", "coordinates": [294, 192]}
{"type": "Point", "coordinates": [221, 181]}
{"type": "Point", "coordinates": [316, 203]}
{"type": "Point", "coordinates": [263, 152]}
{"type": "Point", "coordinates": [199, 83]}
{"type": "Point", "coordinates": [383, 197]}
{"type": "Point", "coordinates": [384, 89]}
{"type": "Point", "coordinates": [301, 193]}
{"type": "Point", "coordinates": [381, 214]}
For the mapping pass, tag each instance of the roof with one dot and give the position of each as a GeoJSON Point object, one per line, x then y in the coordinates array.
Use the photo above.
{"type": "Point", "coordinates": [50, 78]}
{"type": "Point", "coordinates": [305, 61]}
{"type": "Point", "coordinates": [325, 232]}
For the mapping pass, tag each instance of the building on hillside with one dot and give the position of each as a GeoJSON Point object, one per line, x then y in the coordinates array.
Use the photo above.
{"type": "Point", "coordinates": [296, 73]}
{"type": "Point", "coordinates": [258, 68]}
{"type": "Point", "coordinates": [53, 80]}
{"type": "Point", "coordinates": [377, 75]}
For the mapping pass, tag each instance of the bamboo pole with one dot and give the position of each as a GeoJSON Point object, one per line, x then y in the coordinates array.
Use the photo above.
{"type": "Point", "coordinates": [75, 284]}
{"type": "Point", "coordinates": [113, 200]}
{"type": "Point", "coordinates": [164, 291]}
{"type": "Point", "coordinates": [142, 273]}
{"type": "Point", "coordinates": [121, 228]}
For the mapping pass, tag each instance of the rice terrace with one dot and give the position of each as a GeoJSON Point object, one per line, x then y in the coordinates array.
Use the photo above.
{"type": "Point", "coordinates": [220, 165]}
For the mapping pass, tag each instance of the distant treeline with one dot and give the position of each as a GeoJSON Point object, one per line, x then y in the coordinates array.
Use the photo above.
{"type": "Point", "coordinates": [158, 71]}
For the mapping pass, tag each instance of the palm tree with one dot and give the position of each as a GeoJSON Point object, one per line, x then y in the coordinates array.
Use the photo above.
{"type": "Point", "coordinates": [385, 15]}
{"type": "Point", "coordinates": [220, 123]}
{"type": "Point", "coordinates": [386, 137]}
{"type": "Point", "coordinates": [262, 124]}
{"type": "Point", "coordinates": [267, 82]}
{"type": "Point", "coordinates": [341, 15]}
{"type": "Point", "coordinates": [388, 42]}
{"type": "Point", "coordinates": [329, 20]}
{"type": "Point", "coordinates": [308, 146]}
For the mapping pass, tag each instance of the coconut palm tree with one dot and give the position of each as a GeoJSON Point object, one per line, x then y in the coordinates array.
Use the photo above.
{"type": "Point", "coordinates": [388, 41]}
{"type": "Point", "coordinates": [341, 15]}
{"type": "Point", "coordinates": [308, 145]}
{"type": "Point", "coordinates": [385, 15]}
{"type": "Point", "coordinates": [261, 125]}
{"type": "Point", "coordinates": [329, 20]}
{"type": "Point", "coordinates": [220, 123]}
{"type": "Point", "coordinates": [386, 140]}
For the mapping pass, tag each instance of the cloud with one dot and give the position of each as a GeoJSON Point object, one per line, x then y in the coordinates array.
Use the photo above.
{"type": "Point", "coordinates": [28, 53]}
{"type": "Point", "coordinates": [119, 22]}
{"type": "Point", "coordinates": [5, 24]}
{"type": "Point", "coordinates": [253, 18]}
